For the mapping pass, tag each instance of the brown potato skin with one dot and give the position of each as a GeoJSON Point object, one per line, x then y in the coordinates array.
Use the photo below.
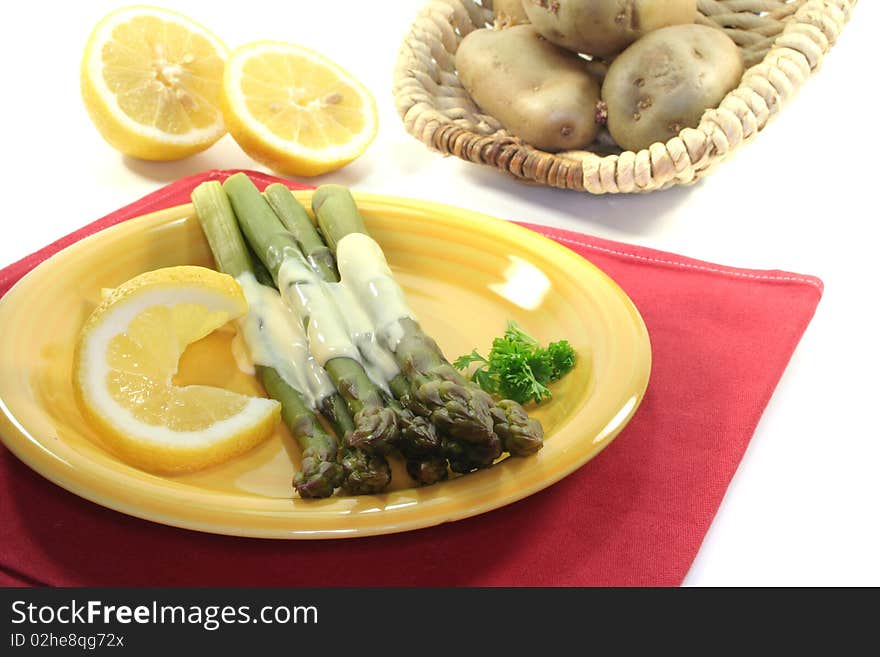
{"type": "Point", "coordinates": [541, 93]}
{"type": "Point", "coordinates": [604, 27]}
{"type": "Point", "coordinates": [664, 82]}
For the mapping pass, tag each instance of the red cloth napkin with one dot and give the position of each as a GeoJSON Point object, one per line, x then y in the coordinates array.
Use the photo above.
{"type": "Point", "coordinates": [633, 516]}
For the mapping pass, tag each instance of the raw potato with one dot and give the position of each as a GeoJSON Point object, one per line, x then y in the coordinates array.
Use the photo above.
{"type": "Point", "coordinates": [604, 27]}
{"type": "Point", "coordinates": [541, 93]}
{"type": "Point", "coordinates": [666, 80]}
{"type": "Point", "coordinates": [509, 12]}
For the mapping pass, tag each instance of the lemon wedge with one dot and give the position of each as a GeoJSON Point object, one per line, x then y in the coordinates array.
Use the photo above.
{"type": "Point", "coordinates": [127, 355]}
{"type": "Point", "coordinates": [151, 81]}
{"type": "Point", "coordinates": [294, 110]}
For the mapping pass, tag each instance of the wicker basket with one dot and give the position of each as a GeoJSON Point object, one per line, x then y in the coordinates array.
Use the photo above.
{"type": "Point", "coordinates": [783, 42]}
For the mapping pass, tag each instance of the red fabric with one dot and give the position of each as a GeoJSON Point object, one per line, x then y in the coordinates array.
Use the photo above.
{"type": "Point", "coordinates": [633, 516]}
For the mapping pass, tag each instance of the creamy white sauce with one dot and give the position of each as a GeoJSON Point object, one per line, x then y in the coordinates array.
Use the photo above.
{"type": "Point", "coordinates": [377, 360]}
{"type": "Point", "coordinates": [364, 270]}
{"type": "Point", "coordinates": [310, 322]}
{"type": "Point", "coordinates": [275, 338]}
{"type": "Point", "coordinates": [307, 295]}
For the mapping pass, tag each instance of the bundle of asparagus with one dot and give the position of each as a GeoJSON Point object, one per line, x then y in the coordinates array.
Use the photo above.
{"type": "Point", "coordinates": [359, 358]}
{"type": "Point", "coordinates": [326, 464]}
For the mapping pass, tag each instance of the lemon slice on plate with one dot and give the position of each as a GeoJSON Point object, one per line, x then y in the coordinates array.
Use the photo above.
{"type": "Point", "coordinates": [151, 81]}
{"type": "Point", "coordinates": [125, 359]}
{"type": "Point", "coordinates": [294, 110]}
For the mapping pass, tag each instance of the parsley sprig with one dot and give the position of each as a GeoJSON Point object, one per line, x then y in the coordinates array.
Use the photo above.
{"type": "Point", "coordinates": [518, 367]}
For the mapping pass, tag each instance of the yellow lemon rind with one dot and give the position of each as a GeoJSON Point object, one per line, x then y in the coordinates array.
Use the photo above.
{"type": "Point", "coordinates": [159, 455]}
{"type": "Point", "coordinates": [169, 460]}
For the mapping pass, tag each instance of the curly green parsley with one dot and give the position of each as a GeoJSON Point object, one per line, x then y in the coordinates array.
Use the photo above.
{"type": "Point", "coordinates": [518, 367]}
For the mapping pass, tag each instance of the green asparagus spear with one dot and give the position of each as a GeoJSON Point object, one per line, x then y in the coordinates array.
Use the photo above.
{"type": "Point", "coordinates": [362, 473]}
{"type": "Point", "coordinates": [459, 410]}
{"type": "Point", "coordinates": [462, 411]}
{"type": "Point", "coordinates": [320, 473]}
{"type": "Point", "coordinates": [417, 440]}
{"type": "Point", "coordinates": [375, 424]}
{"type": "Point", "coordinates": [294, 217]}
{"type": "Point", "coordinates": [439, 391]}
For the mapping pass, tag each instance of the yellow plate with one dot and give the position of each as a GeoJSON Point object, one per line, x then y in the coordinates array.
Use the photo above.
{"type": "Point", "coordinates": [465, 275]}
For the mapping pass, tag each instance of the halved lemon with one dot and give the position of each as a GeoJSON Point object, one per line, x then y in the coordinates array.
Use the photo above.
{"type": "Point", "coordinates": [125, 360]}
{"type": "Point", "coordinates": [151, 80]}
{"type": "Point", "coordinates": [294, 110]}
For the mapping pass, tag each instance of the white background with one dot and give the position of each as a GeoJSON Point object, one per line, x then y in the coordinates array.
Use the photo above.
{"type": "Point", "coordinates": [803, 506]}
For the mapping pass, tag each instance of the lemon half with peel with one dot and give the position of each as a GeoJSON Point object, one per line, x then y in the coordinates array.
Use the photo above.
{"type": "Point", "coordinates": [294, 110]}
{"type": "Point", "coordinates": [127, 355]}
{"type": "Point", "coordinates": [151, 81]}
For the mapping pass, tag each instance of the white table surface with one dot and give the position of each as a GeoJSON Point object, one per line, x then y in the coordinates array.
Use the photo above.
{"type": "Point", "coordinates": [803, 506]}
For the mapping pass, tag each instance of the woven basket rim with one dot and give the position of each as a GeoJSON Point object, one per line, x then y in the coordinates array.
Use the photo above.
{"type": "Point", "coordinates": [811, 27]}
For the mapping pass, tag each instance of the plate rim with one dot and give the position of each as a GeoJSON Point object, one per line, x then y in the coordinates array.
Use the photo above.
{"type": "Point", "coordinates": [54, 468]}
